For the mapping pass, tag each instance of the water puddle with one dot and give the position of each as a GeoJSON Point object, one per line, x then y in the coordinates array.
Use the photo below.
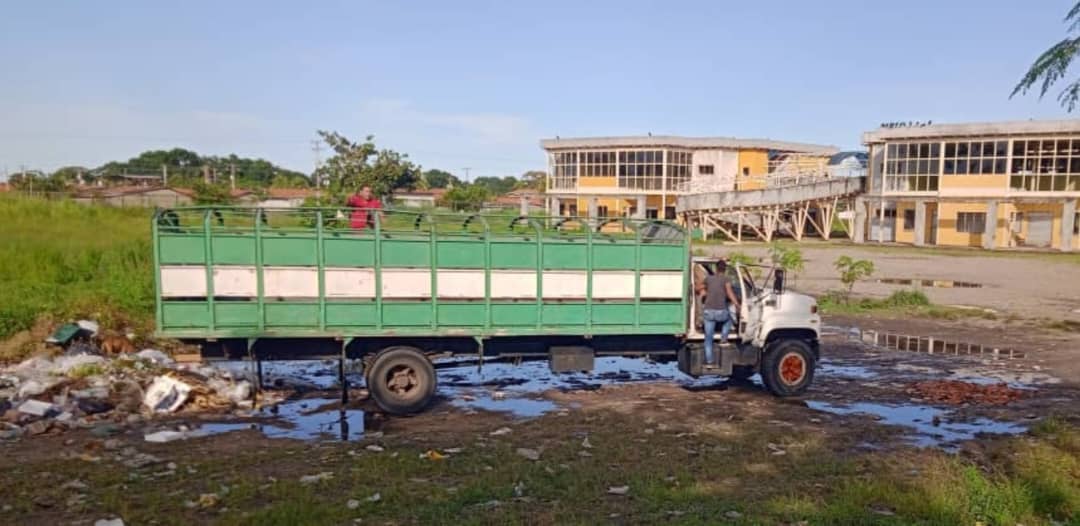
{"type": "Point", "coordinates": [931, 426]}
{"type": "Point", "coordinates": [301, 420]}
{"type": "Point", "coordinates": [520, 407]}
{"type": "Point", "coordinates": [828, 368]}
{"type": "Point", "coordinates": [936, 283]}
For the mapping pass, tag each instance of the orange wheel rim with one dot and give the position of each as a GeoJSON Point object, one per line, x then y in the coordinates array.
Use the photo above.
{"type": "Point", "coordinates": [792, 369]}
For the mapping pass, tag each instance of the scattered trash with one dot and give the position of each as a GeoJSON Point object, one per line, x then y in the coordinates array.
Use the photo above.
{"type": "Point", "coordinates": [375, 448]}
{"type": "Point", "coordinates": [501, 431]}
{"type": "Point", "coordinates": [208, 500]}
{"type": "Point", "coordinates": [109, 522]}
{"type": "Point", "coordinates": [162, 437]}
{"type": "Point", "coordinates": [519, 489]}
{"type": "Point", "coordinates": [38, 408]}
{"type": "Point", "coordinates": [733, 515]}
{"type": "Point", "coordinates": [352, 504]}
{"type": "Point", "coordinates": [155, 356]}
{"type": "Point", "coordinates": [89, 326]}
{"type": "Point", "coordinates": [955, 392]}
{"type": "Point", "coordinates": [530, 454]}
{"type": "Point", "coordinates": [314, 479]}
{"type": "Point", "coordinates": [431, 454]}
{"type": "Point", "coordinates": [374, 498]}
{"type": "Point", "coordinates": [618, 490]}
{"type": "Point", "coordinates": [585, 443]}
{"type": "Point", "coordinates": [166, 394]}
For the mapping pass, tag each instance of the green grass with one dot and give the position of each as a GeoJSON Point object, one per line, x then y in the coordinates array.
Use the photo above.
{"type": "Point", "coordinates": [1031, 480]}
{"type": "Point", "coordinates": [67, 260]}
{"type": "Point", "coordinates": [901, 302]}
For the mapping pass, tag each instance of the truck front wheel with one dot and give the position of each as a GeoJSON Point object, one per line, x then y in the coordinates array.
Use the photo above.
{"type": "Point", "coordinates": [787, 368]}
{"type": "Point", "coordinates": [401, 380]}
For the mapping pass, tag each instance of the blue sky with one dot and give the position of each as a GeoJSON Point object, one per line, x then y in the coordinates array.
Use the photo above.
{"type": "Point", "coordinates": [478, 84]}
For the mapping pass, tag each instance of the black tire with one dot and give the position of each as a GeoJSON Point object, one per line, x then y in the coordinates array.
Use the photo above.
{"type": "Point", "coordinates": [742, 373]}
{"type": "Point", "coordinates": [787, 368]}
{"type": "Point", "coordinates": [401, 380]}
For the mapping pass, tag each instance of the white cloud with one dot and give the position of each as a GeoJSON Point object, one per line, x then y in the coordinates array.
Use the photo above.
{"type": "Point", "coordinates": [484, 128]}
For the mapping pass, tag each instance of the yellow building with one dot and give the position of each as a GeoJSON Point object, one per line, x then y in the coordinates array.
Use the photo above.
{"type": "Point", "coordinates": [643, 176]}
{"type": "Point", "coordinates": [990, 185]}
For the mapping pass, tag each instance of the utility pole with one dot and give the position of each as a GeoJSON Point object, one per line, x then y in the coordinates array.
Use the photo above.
{"type": "Point", "coordinates": [165, 175]}
{"type": "Point", "coordinates": [466, 172]}
{"type": "Point", "coordinates": [232, 175]}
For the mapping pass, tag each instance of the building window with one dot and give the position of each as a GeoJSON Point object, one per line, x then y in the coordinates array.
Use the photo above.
{"type": "Point", "coordinates": [976, 157]}
{"type": "Point", "coordinates": [597, 164]}
{"type": "Point", "coordinates": [1076, 224]}
{"type": "Point", "coordinates": [669, 212]}
{"type": "Point", "coordinates": [564, 170]}
{"type": "Point", "coordinates": [1045, 165]}
{"type": "Point", "coordinates": [641, 169]}
{"type": "Point", "coordinates": [912, 167]}
{"type": "Point", "coordinates": [678, 170]}
{"type": "Point", "coordinates": [971, 222]}
{"type": "Point", "coordinates": [705, 169]}
{"type": "Point", "coordinates": [909, 220]}
{"type": "Point", "coordinates": [652, 213]}
{"type": "Point", "coordinates": [601, 211]}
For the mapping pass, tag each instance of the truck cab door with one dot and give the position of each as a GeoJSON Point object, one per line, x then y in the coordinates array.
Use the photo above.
{"type": "Point", "coordinates": [750, 306]}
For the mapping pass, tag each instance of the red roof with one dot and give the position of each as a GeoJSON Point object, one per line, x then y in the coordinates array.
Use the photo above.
{"type": "Point", "coordinates": [290, 193]}
{"type": "Point", "coordinates": [239, 192]}
{"type": "Point", "coordinates": [4, 187]}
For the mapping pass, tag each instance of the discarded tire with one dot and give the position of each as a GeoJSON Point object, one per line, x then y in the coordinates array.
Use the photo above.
{"type": "Point", "coordinates": [401, 380]}
{"type": "Point", "coordinates": [787, 368]}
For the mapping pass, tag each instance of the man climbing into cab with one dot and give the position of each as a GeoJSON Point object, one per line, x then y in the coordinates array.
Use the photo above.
{"type": "Point", "coordinates": [718, 296]}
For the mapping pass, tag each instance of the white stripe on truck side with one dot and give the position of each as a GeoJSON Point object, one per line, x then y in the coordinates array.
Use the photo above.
{"type": "Point", "coordinates": [401, 283]}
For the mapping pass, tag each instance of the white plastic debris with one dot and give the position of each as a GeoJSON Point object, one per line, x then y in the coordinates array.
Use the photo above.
{"type": "Point", "coordinates": [500, 431]}
{"type": "Point", "coordinates": [166, 394]}
{"type": "Point", "coordinates": [313, 479]}
{"type": "Point", "coordinates": [36, 407]}
{"type": "Point", "coordinates": [530, 454]}
{"type": "Point", "coordinates": [30, 388]}
{"type": "Point", "coordinates": [618, 490]}
{"type": "Point", "coordinates": [65, 364]}
{"type": "Point", "coordinates": [155, 356]}
{"type": "Point", "coordinates": [90, 326]}
{"type": "Point", "coordinates": [161, 437]}
{"type": "Point", "coordinates": [239, 392]}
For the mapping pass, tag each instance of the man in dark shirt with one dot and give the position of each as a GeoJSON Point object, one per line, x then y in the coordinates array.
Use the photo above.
{"type": "Point", "coordinates": [718, 296]}
{"type": "Point", "coordinates": [362, 202]}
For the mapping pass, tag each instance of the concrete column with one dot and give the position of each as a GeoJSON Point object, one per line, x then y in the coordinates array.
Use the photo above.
{"type": "Point", "coordinates": [990, 230]}
{"type": "Point", "coordinates": [881, 222]}
{"type": "Point", "coordinates": [524, 207]}
{"type": "Point", "coordinates": [859, 223]}
{"type": "Point", "coordinates": [920, 223]}
{"type": "Point", "coordinates": [1068, 223]}
{"type": "Point", "coordinates": [639, 212]}
{"type": "Point", "coordinates": [594, 203]}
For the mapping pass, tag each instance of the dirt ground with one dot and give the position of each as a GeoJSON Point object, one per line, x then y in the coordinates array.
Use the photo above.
{"type": "Point", "coordinates": [1026, 285]}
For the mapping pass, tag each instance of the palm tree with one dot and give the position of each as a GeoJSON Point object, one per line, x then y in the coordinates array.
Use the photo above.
{"type": "Point", "coordinates": [1053, 64]}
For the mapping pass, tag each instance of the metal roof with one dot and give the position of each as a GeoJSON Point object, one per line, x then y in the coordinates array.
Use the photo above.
{"type": "Point", "coordinates": [659, 141]}
{"type": "Point", "coordinates": [974, 129]}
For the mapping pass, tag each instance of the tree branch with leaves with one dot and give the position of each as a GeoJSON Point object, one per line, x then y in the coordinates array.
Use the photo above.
{"type": "Point", "coordinates": [358, 164]}
{"type": "Point", "coordinates": [1053, 65]}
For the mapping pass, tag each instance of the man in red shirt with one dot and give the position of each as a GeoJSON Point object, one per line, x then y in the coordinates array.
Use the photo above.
{"type": "Point", "coordinates": [361, 202]}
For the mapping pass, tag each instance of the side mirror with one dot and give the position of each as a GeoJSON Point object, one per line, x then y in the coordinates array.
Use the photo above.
{"type": "Point", "coordinates": [778, 281]}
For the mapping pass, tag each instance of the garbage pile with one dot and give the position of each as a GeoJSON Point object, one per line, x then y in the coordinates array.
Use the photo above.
{"type": "Point", "coordinates": [955, 392]}
{"type": "Point", "coordinates": [82, 386]}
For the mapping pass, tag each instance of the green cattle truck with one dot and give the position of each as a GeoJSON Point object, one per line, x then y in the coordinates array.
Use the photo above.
{"type": "Point", "coordinates": [280, 284]}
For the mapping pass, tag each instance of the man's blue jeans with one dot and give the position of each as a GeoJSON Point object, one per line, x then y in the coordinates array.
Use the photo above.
{"type": "Point", "coordinates": [711, 318]}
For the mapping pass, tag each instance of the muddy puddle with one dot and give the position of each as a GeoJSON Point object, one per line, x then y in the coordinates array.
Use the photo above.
{"type": "Point", "coordinates": [308, 419]}
{"type": "Point", "coordinates": [933, 283]}
{"type": "Point", "coordinates": [927, 426]}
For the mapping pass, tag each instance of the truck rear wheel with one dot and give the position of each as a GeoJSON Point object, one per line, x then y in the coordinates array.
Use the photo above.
{"type": "Point", "coordinates": [787, 368]}
{"type": "Point", "coordinates": [401, 380]}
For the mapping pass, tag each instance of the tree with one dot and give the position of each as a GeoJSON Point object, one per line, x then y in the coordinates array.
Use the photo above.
{"type": "Point", "coordinates": [788, 258]}
{"type": "Point", "coordinates": [211, 194]}
{"type": "Point", "coordinates": [497, 185]}
{"type": "Point", "coordinates": [851, 271]}
{"type": "Point", "coordinates": [1053, 65]}
{"type": "Point", "coordinates": [357, 164]}
{"type": "Point", "coordinates": [535, 179]}
{"type": "Point", "coordinates": [440, 179]}
{"type": "Point", "coordinates": [465, 197]}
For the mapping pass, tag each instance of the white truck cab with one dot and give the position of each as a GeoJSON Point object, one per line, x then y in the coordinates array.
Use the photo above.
{"type": "Point", "coordinates": [777, 330]}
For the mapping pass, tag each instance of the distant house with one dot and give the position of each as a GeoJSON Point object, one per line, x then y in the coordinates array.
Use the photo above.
{"type": "Point", "coordinates": [847, 164]}
{"type": "Point", "coordinates": [533, 199]}
{"type": "Point", "coordinates": [419, 198]}
{"type": "Point", "coordinates": [135, 196]}
{"type": "Point", "coordinates": [286, 197]}
{"type": "Point", "coordinates": [238, 196]}
{"type": "Point", "coordinates": [4, 187]}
